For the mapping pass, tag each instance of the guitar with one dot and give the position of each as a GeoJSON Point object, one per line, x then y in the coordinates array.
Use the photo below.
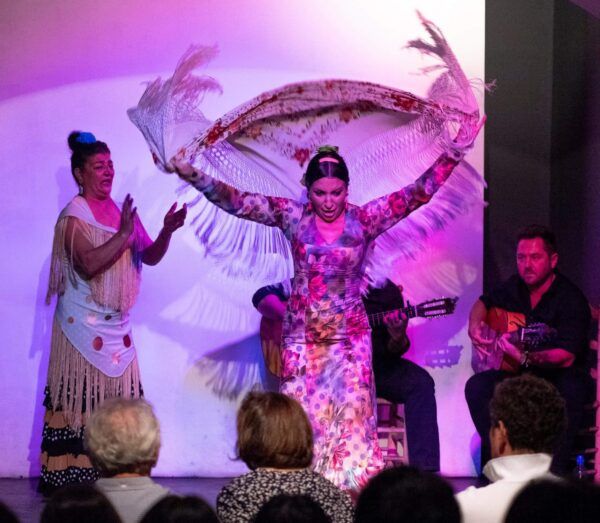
{"type": "Point", "coordinates": [270, 330]}
{"type": "Point", "coordinates": [529, 336]}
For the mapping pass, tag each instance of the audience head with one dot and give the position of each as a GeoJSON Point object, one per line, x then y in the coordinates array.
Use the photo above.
{"type": "Point", "coordinates": [181, 509]}
{"type": "Point", "coordinates": [273, 431]}
{"type": "Point", "coordinates": [291, 509]}
{"type": "Point", "coordinates": [7, 515]}
{"type": "Point", "coordinates": [527, 414]}
{"type": "Point", "coordinates": [123, 436]}
{"type": "Point", "coordinates": [552, 501]}
{"type": "Point", "coordinates": [76, 503]}
{"type": "Point", "coordinates": [406, 495]}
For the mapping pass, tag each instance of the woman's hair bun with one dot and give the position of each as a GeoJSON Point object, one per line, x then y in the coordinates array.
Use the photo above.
{"type": "Point", "coordinates": [328, 149]}
{"type": "Point", "coordinates": [78, 138]}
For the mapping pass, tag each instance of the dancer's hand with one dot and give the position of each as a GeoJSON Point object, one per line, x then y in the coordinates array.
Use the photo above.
{"type": "Point", "coordinates": [174, 219]}
{"type": "Point", "coordinates": [180, 165]}
{"type": "Point", "coordinates": [128, 213]}
{"type": "Point", "coordinates": [467, 134]}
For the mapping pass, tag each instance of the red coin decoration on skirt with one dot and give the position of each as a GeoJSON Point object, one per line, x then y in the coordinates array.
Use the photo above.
{"type": "Point", "coordinates": [127, 340]}
{"type": "Point", "coordinates": [97, 343]}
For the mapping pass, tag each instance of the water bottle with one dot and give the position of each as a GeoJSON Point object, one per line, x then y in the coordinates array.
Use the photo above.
{"type": "Point", "coordinates": [579, 471]}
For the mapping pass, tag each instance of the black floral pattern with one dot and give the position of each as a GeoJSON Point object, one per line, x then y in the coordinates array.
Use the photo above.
{"type": "Point", "coordinates": [240, 501]}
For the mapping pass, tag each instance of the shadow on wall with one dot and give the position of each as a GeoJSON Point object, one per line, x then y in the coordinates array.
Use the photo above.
{"type": "Point", "coordinates": [232, 370]}
{"type": "Point", "coordinates": [436, 275]}
{"type": "Point", "coordinates": [441, 357]}
{"type": "Point", "coordinates": [475, 451]}
{"type": "Point", "coordinates": [40, 343]}
{"type": "Point", "coordinates": [42, 326]}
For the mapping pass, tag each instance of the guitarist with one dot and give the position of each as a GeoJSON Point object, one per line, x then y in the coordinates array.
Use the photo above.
{"type": "Point", "coordinates": [540, 294]}
{"type": "Point", "coordinates": [396, 379]}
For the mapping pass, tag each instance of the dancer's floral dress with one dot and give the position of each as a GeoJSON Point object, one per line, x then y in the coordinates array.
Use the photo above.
{"type": "Point", "coordinates": [326, 346]}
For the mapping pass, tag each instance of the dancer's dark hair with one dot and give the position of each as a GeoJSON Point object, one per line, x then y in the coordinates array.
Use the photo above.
{"type": "Point", "coordinates": [326, 163]}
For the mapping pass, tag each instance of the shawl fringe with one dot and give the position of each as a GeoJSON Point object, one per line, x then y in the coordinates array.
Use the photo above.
{"type": "Point", "coordinates": [116, 288]}
{"type": "Point", "coordinates": [77, 388]}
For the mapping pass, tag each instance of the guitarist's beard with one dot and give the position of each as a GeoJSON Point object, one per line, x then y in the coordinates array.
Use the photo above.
{"type": "Point", "coordinates": [546, 282]}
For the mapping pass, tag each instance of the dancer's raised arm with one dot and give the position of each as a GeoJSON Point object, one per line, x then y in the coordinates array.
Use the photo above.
{"type": "Point", "coordinates": [384, 212]}
{"type": "Point", "coordinates": [269, 210]}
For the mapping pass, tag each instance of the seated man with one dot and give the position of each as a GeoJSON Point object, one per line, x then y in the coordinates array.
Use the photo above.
{"type": "Point", "coordinates": [540, 294]}
{"type": "Point", "coordinates": [527, 415]}
{"type": "Point", "coordinates": [396, 379]}
{"type": "Point", "coordinates": [123, 438]}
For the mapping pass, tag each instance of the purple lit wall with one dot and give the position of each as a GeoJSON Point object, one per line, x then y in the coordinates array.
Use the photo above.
{"type": "Point", "coordinates": [79, 65]}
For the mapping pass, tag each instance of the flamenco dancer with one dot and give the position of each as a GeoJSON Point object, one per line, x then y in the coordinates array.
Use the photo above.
{"type": "Point", "coordinates": [96, 268]}
{"type": "Point", "coordinates": [326, 340]}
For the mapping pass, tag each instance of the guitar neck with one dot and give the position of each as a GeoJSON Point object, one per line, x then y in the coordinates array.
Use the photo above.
{"type": "Point", "coordinates": [427, 309]}
{"type": "Point", "coordinates": [377, 318]}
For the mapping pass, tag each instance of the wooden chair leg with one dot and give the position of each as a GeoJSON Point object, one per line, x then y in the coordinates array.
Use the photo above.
{"type": "Point", "coordinates": [391, 432]}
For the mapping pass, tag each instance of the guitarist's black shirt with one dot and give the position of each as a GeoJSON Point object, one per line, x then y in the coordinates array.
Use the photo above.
{"type": "Point", "coordinates": [382, 299]}
{"type": "Point", "coordinates": [563, 306]}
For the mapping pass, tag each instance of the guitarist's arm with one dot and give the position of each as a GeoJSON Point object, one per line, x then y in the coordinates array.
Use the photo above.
{"type": "Point", "coordinates": [388, 335]}
{"type": "Point", "coordinates": [553, 357]}
{"type": "Point", "coordinates": [476, 328]}
{"type": "Point", "coordinates": [572, 325]}
{"type": "Point", "coordinates": [271, 307]}
{"type": "Point", "coordinates": [270, 301]}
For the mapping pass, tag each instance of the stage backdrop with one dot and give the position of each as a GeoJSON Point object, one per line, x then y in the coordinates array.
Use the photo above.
{"type": "Point", "coordinates": [79, 64]}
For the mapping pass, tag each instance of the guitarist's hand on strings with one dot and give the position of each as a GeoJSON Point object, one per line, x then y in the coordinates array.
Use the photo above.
{"type": "Point", "coordinates": [479, 334]}
{"type": "Point", "coordinates": [510, 349]}
{"type": "Point", "coordinates": [396, 323]}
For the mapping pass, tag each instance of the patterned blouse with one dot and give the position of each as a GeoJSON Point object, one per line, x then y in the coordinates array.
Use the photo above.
{"type": "Point", "coordinates": [240, 501]}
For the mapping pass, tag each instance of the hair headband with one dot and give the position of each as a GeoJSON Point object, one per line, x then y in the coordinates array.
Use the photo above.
{"type": "Point", "coordinates": [328, 159]}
